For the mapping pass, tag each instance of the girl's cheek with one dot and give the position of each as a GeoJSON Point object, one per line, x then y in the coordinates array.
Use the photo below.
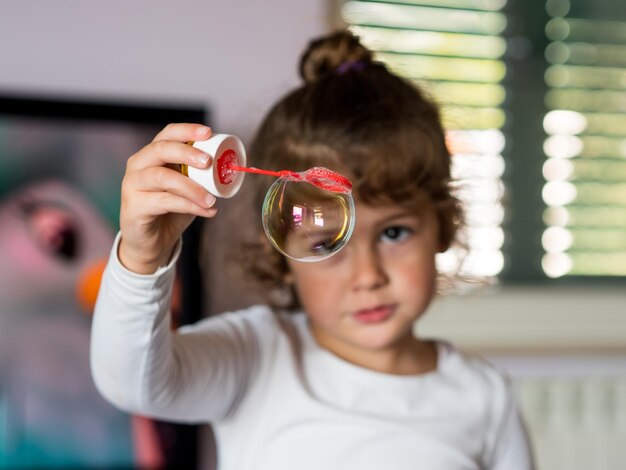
{"type": "Point", "coordinates": [417, 268]}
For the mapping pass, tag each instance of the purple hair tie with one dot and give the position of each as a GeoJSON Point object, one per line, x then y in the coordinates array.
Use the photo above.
{"type": "Point", "coordinates": [350, 65]}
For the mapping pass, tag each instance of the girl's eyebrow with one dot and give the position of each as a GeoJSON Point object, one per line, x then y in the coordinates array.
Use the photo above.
{"type": "Point", "coordinates": [396, 216]}
{"type": "Point", "coordinates": [399, 215]}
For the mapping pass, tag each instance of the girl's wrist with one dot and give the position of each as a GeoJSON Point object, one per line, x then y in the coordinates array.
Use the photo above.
{"type": "Point", "coordinates": [141, 265]}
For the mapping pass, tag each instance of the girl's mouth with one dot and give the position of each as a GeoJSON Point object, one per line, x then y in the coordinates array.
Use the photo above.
{"type": "Point", "coordinates": [375, 315]}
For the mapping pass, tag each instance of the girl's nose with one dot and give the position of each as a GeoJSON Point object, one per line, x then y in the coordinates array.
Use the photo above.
{"type": "Point", "coordinates": [368, 272]}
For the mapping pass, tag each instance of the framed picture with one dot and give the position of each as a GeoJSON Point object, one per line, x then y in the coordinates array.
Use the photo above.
{"type": "Point", "coordinates": [61, 167]}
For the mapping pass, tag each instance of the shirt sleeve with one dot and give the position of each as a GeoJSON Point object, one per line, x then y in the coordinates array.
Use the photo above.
{"type": "Point", "coordinates": [511, 450]}
{"type": "Point", "coordinates": [196, 374]}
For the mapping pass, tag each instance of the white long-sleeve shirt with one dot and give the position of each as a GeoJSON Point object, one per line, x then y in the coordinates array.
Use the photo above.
{"type": "Point", "coordinates": [277, 400]}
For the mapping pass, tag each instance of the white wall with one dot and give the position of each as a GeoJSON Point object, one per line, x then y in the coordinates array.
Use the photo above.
{"type": "Point", "coordinates": [237, 57]}
{"type": "Point", "coordinates": [533, 320]}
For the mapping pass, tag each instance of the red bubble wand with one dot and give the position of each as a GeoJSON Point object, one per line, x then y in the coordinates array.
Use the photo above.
{"type": "Point", "coordinates": [318, 176]}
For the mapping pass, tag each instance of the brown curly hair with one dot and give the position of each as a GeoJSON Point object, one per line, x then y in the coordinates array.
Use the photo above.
{"type": "Point", "coordinates": [355, 116]}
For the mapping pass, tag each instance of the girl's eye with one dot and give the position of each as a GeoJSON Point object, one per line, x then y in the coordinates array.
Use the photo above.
{"type": "Point", "coordinates": [395, 234]}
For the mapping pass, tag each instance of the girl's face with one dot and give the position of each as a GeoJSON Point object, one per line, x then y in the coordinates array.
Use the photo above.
{"type": "Point", "coordinates": [367, 297]}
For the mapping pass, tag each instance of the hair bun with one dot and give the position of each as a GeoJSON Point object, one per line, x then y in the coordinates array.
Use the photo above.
{"type": "Point", "coordinates": [325, 54]}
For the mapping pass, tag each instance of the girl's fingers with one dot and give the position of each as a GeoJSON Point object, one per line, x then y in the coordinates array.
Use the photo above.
{"type": "Point", "coordinates": [159, 178]}
{"type": "Point", "coordinates": [165, 152]}
{"type": "Point", "coordinates": [161, 203]}
{"type": "Point", "coordinates": [183, 132]}
{"type": "Point", "coordinates": [163, 190]}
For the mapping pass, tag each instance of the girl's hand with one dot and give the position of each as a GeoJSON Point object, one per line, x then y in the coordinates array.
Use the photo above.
{"type": "Point", "coordinates": [158, 202]}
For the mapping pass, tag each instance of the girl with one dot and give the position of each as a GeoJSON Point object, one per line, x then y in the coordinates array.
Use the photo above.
{"type": "Point", "coordinates": [340, 382]}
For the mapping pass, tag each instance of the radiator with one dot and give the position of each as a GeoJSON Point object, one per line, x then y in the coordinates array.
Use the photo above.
{"type": "Point", "coordinates": [574, 409]}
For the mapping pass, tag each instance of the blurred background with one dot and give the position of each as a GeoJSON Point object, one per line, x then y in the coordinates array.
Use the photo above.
{"type": "Point", "coordinates": [533, 96]}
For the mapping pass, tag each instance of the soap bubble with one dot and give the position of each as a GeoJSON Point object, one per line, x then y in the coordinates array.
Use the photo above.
{"type": "Point", "coordinates": [305, 222]}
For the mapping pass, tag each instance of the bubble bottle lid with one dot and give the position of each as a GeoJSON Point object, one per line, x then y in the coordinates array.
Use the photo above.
{"type": "Point", "coordinates": [219, 179]}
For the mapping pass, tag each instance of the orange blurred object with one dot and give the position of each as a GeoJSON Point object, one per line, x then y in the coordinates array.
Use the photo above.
{"type": "Point", "coordinates": [89, 284]}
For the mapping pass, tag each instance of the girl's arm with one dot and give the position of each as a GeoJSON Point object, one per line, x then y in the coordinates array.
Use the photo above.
{"type": "Point", "coordinates": [137, 362]}
{"type": "Point", "coordinates": [197, 374]}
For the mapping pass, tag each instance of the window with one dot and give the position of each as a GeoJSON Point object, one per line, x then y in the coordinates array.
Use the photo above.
{"type": "Point", "coordinates": [531, 96]}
